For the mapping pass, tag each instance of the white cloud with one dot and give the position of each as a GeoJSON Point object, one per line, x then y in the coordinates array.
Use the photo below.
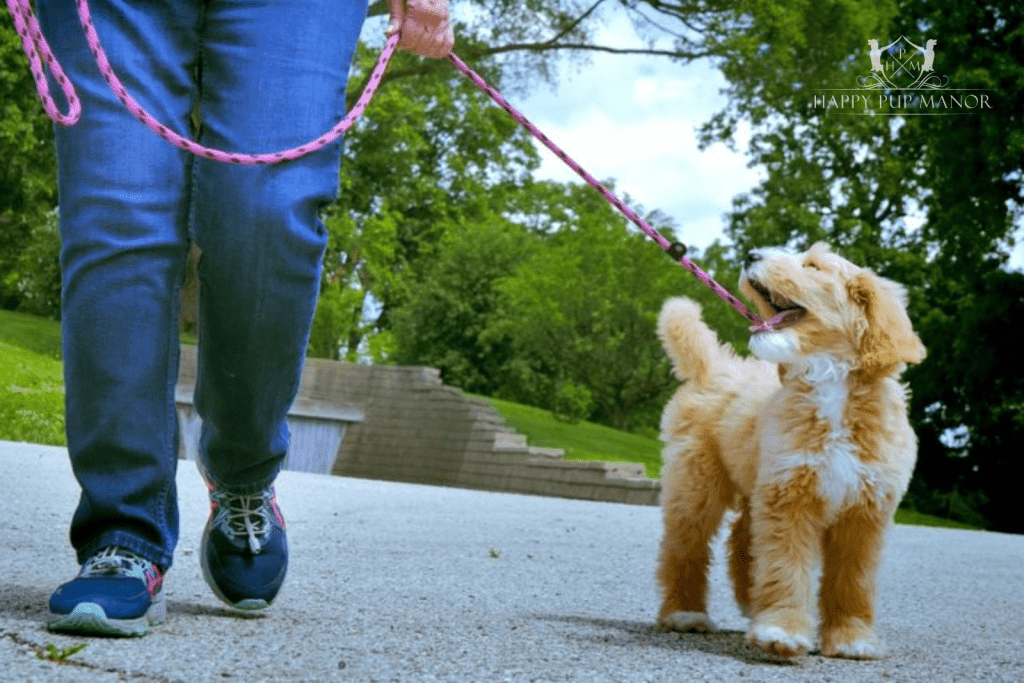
{"type": "Point", "coordinates": [633, 119]}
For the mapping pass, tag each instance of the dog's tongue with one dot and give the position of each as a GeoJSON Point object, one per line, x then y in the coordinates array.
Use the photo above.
{"type": "Point", "coordinates": [782, 319]}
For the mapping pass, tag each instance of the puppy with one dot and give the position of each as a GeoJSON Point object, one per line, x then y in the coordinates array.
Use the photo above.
{"type": "Point", "coordinates": [810, 444]}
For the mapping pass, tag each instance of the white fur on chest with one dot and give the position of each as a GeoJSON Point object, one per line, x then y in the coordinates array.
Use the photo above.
{"type": "Point", "coordinates": [842, 477]}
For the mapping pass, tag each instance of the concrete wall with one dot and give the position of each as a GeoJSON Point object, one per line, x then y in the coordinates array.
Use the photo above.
{"type": "Point", "coordinates": [403, 424]}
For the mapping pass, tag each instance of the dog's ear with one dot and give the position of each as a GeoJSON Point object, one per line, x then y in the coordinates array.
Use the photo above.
{"type": "Point", "coordinates": [888, 338]}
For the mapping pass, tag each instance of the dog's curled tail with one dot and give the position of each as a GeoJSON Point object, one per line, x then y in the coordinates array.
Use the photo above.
{"type": "Point", "coordinates": [690, 344]}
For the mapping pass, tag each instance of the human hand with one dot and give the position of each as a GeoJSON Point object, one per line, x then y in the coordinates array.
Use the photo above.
{"type": "Point", "coordinates": [425, 25]}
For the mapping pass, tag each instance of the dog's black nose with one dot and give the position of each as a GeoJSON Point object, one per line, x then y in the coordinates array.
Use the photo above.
{"type": "Point", "coordinates": [752, 258]}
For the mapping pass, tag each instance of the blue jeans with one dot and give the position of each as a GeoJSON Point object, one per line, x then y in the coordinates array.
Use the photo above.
{"type": "Point", "coordinates": [264, 75]}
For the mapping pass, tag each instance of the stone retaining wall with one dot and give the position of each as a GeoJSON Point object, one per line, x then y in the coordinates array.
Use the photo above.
{"type": "Point", "coordinates": [404, 424]}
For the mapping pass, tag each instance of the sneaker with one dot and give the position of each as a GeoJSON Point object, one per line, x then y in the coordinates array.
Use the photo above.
{"type": "Point", "coordinates": [117, 593]}
{"type": "Point", "coordinates": [245, 551]}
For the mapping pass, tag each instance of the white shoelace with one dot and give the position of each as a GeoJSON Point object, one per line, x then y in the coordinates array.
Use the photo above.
{"type": "Point", "coordinates": [246, 515]}
{"type": "Point", "coordinates": [115, 560]}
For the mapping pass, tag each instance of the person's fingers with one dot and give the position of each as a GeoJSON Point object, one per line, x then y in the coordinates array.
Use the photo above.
{"type": "Point", "coordinates": [397, 9]}
{"type": "Point", "coordinates": [426, 28]}
{"type": "Point", "coordinates": [436, 42]}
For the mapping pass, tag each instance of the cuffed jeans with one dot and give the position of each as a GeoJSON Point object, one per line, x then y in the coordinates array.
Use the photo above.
{"type": "Point", "coordinates": [264, 76]}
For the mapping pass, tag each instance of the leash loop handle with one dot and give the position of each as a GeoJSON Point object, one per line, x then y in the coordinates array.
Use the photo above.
{"type": "Point", "coordinates": [38, 50]}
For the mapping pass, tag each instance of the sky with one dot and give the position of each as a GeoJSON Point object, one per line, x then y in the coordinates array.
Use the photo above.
{"type": "Point", "coordinates": [633, 119]}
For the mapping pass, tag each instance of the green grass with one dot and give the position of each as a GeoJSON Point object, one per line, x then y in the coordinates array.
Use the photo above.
{"type": "Point", "coordinates": [581, 441]}
{"type": "Point", "coordinates": [30, 333]}
{"type": "Point", "coordinates": [32, 409]}
{"type": "Point", "coordinates": [921, 519]}
{"type": "Point", "coordinates": [31, 380]}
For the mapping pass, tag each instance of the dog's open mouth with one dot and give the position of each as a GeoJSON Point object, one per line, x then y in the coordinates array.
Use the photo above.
{"type": "Point", "coordinates": [786, 312]}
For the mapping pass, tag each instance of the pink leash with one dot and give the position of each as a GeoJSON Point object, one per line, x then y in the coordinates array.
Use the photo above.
{"type": "Point", "coordinates": [676, 250]}
{"type": "Point", "coordinates": [38, 50]}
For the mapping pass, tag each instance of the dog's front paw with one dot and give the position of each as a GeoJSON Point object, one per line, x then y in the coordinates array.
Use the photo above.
{"type": "Point", "coordinates": [685, 622]}
{"type": "Point", "coordinates": [862, 648]}
{"type": "Point", "coordinates": [777, 642]}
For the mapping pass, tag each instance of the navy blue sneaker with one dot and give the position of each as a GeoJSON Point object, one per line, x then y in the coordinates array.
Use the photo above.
{"type": "Point", "coordinates": [117, 593]}
{"type": "Point", "coordinates": [245, 550]}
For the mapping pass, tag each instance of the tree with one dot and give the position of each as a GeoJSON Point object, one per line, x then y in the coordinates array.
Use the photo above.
{"type": "Point", "coordinates": [445, 321]}
{"type": "Point", "coordinates": [27, 189]}
{"type": "Point", "coordinates": [854, 180]}
{"type": "Point", "coordinates": [579, 313]}
{"type": "Point", "coordinates": [431, 155]}
{"type": "Point", "coordinates": [970, 415]}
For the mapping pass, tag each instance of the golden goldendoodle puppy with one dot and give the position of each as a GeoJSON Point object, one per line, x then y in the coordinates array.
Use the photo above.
{"type": "Point", "coordinates": [810, 444]}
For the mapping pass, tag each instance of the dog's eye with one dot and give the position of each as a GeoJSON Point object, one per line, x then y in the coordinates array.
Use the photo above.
{"type": "Point", "coordinates": [812, 265]}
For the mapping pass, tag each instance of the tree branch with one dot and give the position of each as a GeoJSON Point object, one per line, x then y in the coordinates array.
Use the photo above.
{"type": "Point", "coordinates": [428, 66]}
{"type": "Point", "coordinates": [547, 46]}
{"type": "Point", "coordinates": [575, 23]}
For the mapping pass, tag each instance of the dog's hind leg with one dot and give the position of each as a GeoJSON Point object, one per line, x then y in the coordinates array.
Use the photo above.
{"type": "Point", "coordinates": [740, 560]}
{"type": "Point", "coordinates": [851, 553]}
{"type": "Point", "coordinates": [696, 493]}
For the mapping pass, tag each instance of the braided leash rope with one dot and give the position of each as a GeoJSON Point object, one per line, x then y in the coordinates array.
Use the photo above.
{"type": "Point", "coordinates": [38, 51]}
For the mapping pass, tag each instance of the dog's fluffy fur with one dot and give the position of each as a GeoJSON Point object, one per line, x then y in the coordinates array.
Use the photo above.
{"type": "Point", "coordinates": [811, 445]}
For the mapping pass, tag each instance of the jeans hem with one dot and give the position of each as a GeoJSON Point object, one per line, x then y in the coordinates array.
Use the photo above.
{"type": "Point", "coordinates": [128, 541]}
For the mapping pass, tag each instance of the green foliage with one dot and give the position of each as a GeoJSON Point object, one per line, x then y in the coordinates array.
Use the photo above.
{"type": "Point", "coordinates": [971, 423]}
{"type": "Point", "coordinates": [553, 305]}
{"type": "Point", "coordinates": [432, 155]}
{"type": "Point", "coordinates": [28, 169]}
{"type": "Point", "coordinates": [443, 322]}
{"type": "Point", "coordinates": [361, 259]}
{"type": "Point", "coordinates": [579, 313]}
{"type": "Point", "coordinates": [572, 402]}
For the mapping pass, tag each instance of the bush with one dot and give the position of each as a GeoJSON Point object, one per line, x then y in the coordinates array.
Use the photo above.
{"type": "Point", "coordinates": [572, 403]}
{"type": "Point", "coordinates": [38, 276]}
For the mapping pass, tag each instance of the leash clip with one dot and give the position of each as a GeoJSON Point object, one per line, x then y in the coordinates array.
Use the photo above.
{"type": "Point", "coordinates": [676, 250]}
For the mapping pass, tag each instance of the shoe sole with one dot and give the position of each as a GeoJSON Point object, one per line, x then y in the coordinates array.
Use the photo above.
{"type": "Point", "coordinates": [88, 618]}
